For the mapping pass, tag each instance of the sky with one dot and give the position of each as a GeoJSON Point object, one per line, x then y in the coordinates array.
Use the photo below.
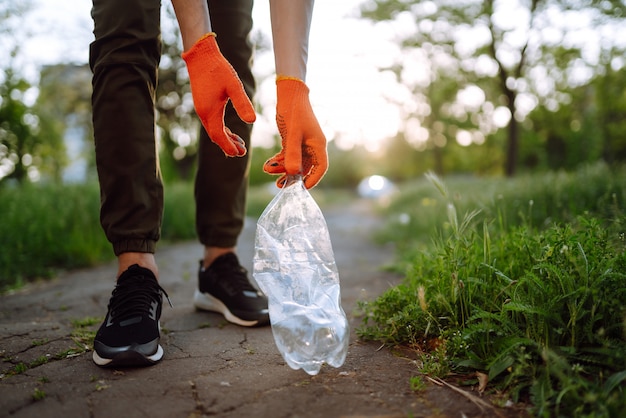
{"type": "Point", "coordinates": [348, 93]}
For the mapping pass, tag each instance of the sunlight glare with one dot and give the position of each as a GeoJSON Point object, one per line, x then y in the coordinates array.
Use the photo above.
{"type": "Point", "coordinates": [463, 138]}
{"type": "Point", "coordinates": [376, 187]}
{"type": "Point", "coordinates": [501, 116]}
{"type": "Point", "coordinates": [376, 182]}
{"type": "Point", "coordinates": [471, 97]}
{"type": "Point", "coordinates": [415, 134]}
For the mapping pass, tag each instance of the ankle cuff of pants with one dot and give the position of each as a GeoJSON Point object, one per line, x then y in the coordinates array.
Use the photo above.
{"type": "Point", "coordinates": [222, 240]}
{"type": "Point", "coordinates": [134, 246]}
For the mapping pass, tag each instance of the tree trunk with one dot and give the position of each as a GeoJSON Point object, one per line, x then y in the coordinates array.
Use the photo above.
{"type": "Point", "coordinates": [513, 137]}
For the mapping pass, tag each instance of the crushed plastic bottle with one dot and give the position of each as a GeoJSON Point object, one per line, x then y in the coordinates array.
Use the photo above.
{"type": "Point", "coordinates": [295, 267]}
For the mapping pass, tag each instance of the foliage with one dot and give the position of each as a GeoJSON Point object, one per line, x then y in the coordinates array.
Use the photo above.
{"type": "Point", "coordinates": [467, 62]}
{"type": "Point", "coordinates": [611, 103]}
{"type": "Point", "coordinates": [536, 306]}
{"type": "Point", "coordinates": [24, 146]}
{"type": "Point", "coordinates": [63, 108]}
{"type": "Point", "coordinates": [29, 144]}
{"type": "Point", "coordinates": [454, 87]}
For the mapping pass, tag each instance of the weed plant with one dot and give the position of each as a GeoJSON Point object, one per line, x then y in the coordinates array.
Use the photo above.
{"type": "Point", "coordinates": [535, 302]}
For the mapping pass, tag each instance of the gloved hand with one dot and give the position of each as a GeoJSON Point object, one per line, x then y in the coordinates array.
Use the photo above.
{"type": "Point", "coordinates": [213, 81]}
{"type": "Point", "coordinates": [303, 142]}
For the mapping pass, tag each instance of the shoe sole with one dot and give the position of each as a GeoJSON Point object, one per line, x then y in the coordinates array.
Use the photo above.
{"type": "Point", "coordinates": [206, 302]}
{"type": "Point", "coordinates": [129, 359]}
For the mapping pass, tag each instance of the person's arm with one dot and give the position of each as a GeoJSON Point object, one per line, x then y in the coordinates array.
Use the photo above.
{"type": "Point", "coordinates": [213, 80]}
{"type": "Point", "coordinates": [193, 20]}
{"type": "Point", "coordinates": [303, 142]}
{"type": "Point", "coordinates": [291, 20]}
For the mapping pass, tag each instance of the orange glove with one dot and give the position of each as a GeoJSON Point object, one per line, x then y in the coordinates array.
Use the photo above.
{"type": "Point", "coordinates": [303, 142]}
{"type": "Point", "coordinates": [213, 81]}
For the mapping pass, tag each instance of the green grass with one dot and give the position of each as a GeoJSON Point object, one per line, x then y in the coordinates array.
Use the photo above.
{"type": "Point", "coordinates": [45, 228]}
{"type": "Point", "coordinates": [522, 280]}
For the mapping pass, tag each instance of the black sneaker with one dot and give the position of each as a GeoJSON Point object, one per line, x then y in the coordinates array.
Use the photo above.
{"type": "Point", "coordinates": [129, 335]}
{"type": "Point", "coordinates": [224, 287]}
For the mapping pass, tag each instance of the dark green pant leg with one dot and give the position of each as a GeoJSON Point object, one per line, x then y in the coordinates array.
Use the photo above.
{"type": "Point", "coordinates": [221, 182]}
{"type": "Point", "coordinates": [124, 59]}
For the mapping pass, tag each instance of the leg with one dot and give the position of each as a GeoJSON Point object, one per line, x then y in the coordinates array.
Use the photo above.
{"type": "Point", "coordinates": [221, 186]}
{"type": "Point", "coordinates": [124, 59]}
{"type": "Point", "coordinates": [221, 182]}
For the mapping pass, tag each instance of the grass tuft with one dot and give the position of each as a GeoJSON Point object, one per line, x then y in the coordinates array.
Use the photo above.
{"type": "Point", "coordinates": [531, 295]}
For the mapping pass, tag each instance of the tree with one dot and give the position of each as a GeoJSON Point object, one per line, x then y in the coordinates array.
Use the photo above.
{"type": "Point", "coordinates": [610, 89]}
{"type": "Point", "coordinates": [26, 150]}
{"type": "Point", "coordinates": [17, 128]}
{"type": "Point", "coordinates": [64, 110]}
{"type": "Point", "coordinates": [520, 54]}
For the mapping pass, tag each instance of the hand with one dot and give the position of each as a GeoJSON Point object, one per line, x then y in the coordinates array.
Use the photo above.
{"type": "Point", "coordinates": [213, 81]}
{"type": "Point", "coordinates": [303, 142]}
